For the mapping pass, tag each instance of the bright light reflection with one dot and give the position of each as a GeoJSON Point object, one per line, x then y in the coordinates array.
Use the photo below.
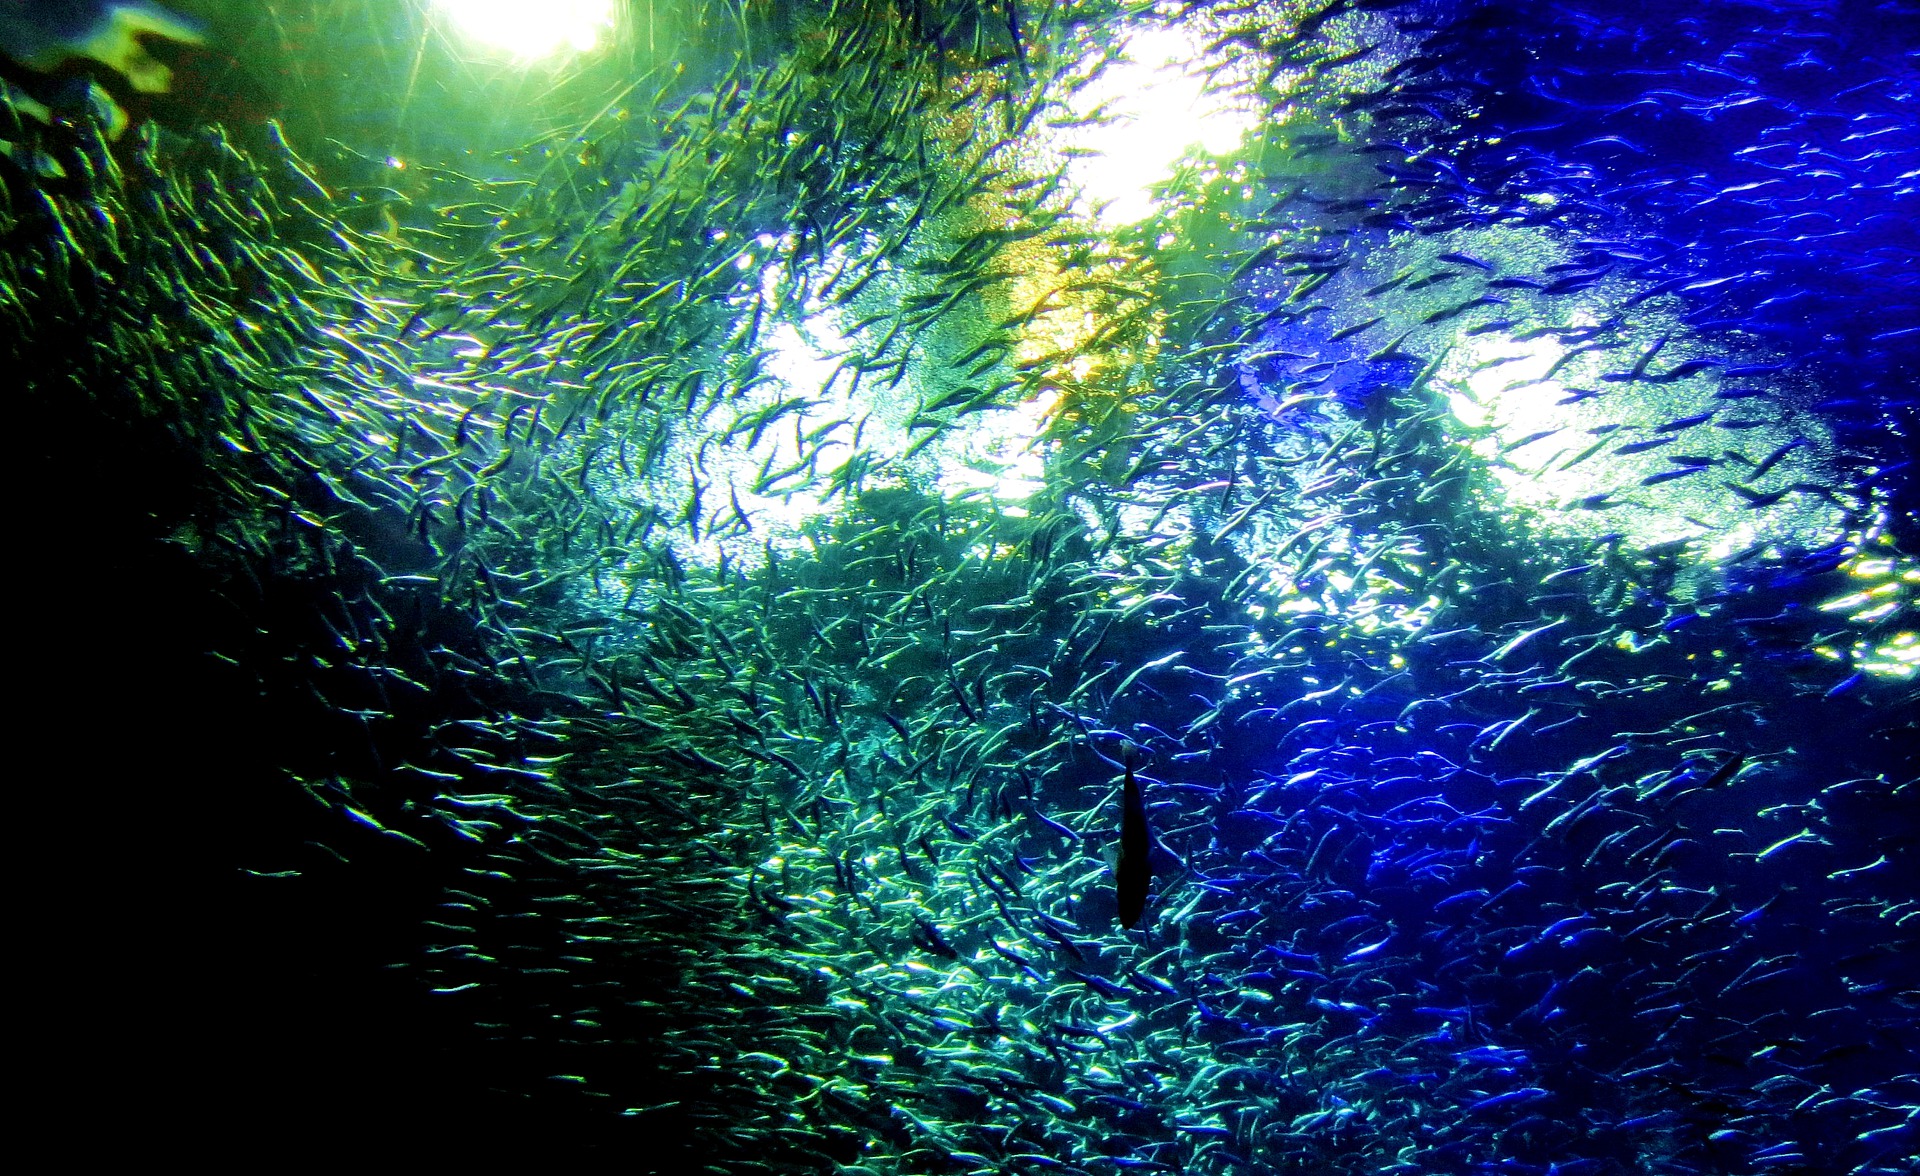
{"type": "Point", "coordinates": [997, 452]}
{"type": "Point", "coordinates": [1550, 449]}
{"type": "Point", "coordinates": [531, 29]}
{"type": "Point", "coordinates": [1160, 107]}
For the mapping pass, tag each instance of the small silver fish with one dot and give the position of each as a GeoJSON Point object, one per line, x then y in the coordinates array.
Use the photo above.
{"type": "Point", "coordinates": [1133, 872]}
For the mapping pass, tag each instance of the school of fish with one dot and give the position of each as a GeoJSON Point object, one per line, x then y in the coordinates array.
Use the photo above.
{"type": "Point", "coordinates": [1439, 695]}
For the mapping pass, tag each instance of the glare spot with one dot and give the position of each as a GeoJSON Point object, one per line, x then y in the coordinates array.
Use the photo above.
{"type": "Point", "coordinates": [1158, 105]}
{"type": "Point", "coordinates": [531, 29]}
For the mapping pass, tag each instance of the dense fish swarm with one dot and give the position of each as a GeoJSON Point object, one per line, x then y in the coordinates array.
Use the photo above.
{"type": "Point", "coordinates": [674, 624]}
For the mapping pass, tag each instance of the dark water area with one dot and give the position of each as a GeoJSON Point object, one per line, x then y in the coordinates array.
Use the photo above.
{"type": "Point", "coordinates": [612, 602]}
